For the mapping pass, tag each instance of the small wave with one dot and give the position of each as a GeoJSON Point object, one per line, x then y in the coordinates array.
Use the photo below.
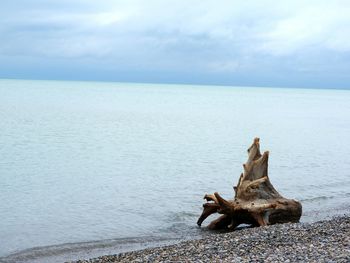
{"type": "Point", "coordinates": [181, 216]}
{"type": "Point", "coordinates": [338, 195]}
{"type": "Point", "coordinates": [83, 250]}
{"type": "Point", "coordinates": [317, 198]}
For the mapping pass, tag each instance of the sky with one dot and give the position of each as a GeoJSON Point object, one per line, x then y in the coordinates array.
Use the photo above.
{"type": "Point", "coordinates": [220, 42]}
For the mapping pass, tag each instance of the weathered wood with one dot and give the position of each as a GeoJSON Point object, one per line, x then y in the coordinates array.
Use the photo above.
{"type": "Point", "coordinates": [256, 201]}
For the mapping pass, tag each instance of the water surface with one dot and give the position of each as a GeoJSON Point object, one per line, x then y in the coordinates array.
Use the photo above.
{"type": "Point", "coordinates": [105, 163]}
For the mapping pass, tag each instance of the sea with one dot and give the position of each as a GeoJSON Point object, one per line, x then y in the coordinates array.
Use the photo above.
{"type": "Point", "coordinates": [93, 168]}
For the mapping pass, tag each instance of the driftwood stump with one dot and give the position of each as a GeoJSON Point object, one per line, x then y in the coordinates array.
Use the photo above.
{"type": "Point", "coordinates": [256, 201]}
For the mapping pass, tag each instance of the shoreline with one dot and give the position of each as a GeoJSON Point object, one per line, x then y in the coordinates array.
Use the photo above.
{"type": "Point", "coordinates": [322, 241]}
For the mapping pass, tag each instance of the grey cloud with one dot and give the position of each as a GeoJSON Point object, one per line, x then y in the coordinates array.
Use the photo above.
{"type": "Point", "coordinates": [225, 39]}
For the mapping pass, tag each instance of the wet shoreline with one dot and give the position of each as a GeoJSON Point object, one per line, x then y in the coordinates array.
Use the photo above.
{"type": "Point", "coordinates": [322, 241]}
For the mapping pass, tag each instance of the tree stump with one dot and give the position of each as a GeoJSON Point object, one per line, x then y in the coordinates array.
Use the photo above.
{"type": "Point", "coordinates": [256, 201]}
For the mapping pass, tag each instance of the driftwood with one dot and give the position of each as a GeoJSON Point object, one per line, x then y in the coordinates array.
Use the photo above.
{"type": "Point", "coordinates": [256, 201]}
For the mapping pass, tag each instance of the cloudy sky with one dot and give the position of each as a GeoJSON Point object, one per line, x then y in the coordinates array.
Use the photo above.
{"type": "Point", "coordinates": [227, 42]}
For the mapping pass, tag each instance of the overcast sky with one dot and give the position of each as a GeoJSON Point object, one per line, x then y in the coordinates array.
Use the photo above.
{"type": "Point", "coordinates": [258, 43]}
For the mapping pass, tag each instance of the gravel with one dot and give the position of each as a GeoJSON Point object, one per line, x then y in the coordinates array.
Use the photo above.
{"type": "Point", "coordinates": [324, 241]}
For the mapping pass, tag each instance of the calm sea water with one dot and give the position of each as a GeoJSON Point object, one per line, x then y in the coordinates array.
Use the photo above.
{"type": "Point", "coordinates": [91, 168]}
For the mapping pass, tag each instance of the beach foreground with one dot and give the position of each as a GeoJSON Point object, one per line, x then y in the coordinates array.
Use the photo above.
{"type": "Point", "coordinates": [324, 241]}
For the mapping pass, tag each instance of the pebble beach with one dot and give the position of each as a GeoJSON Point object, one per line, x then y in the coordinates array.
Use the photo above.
{"type": "Point", "coordinates": [323, 241]}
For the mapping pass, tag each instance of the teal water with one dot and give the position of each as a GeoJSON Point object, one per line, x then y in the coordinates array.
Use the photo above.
{"type": "Point", "coordinates": [105, 162]}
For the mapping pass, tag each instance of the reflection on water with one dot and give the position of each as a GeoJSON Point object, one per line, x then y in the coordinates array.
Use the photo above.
{"type": "Point", "coordinates": [102, 161]}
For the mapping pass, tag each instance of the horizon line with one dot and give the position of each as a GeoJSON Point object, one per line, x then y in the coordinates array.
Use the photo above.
{"type": "Point", "coordinates": [178, 83]}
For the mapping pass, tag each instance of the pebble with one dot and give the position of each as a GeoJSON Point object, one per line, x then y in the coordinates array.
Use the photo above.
{"type": "Point", "coordinates": [324, 241]}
